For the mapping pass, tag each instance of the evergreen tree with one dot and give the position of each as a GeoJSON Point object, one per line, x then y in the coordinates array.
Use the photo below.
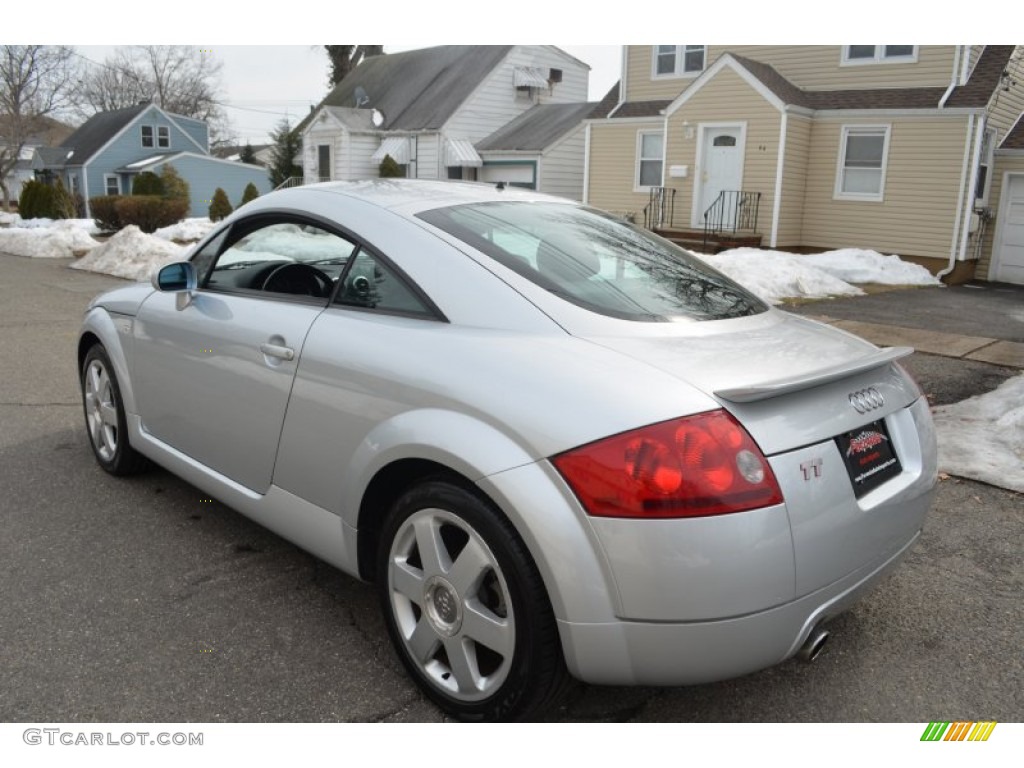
{"type": "Point", "coordinates": [175, 187]}
{"type": "Point", "coordinates": [220, 207]}
{"type": "Point", "coordinates": [389, 168]}
{"type": "Point", "coordinates": [287, 145]}
{"type": "Point", "coordinates": [147, 183]}
{"type": "Point", "coordinates": [248, 154]}
{"type": "Point", "coordinates": [249, 194]}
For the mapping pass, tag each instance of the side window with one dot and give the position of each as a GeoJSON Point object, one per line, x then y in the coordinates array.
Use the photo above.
{"type": "Point", "coordinates": [371, 284]}
{"type": "Point", "coordinates": [291, 258]}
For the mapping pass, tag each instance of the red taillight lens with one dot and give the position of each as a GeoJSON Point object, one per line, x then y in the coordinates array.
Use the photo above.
{"type": "Point", "coordinates": [698, 465]}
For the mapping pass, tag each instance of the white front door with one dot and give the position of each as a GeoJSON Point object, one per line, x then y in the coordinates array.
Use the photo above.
{"type": "Point", "coordinates": [1010, 255]}
{"type": "Point", "coordinates": [721, 170]}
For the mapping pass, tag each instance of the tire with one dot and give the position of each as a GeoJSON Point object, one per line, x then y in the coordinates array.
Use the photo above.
{"type": "Point", "coordinates": [466, 608]}
{"type": "Point", "coordinates": [104, 416]}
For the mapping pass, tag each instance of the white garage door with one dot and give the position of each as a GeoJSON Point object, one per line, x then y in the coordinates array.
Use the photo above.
{"type": "Point", "coordinates": [1011, 244]}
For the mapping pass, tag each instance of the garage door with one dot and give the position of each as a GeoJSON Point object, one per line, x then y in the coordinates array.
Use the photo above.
{"type": "Point", "coordinates": [1011, 244]}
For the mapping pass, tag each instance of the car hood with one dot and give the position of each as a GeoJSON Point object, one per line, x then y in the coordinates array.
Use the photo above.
{"type": "Point", "coordinates": [123, 301]}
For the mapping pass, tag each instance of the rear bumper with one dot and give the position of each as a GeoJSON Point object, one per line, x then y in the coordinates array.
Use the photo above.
{"type": "Point", "coordinates": [663, 653]}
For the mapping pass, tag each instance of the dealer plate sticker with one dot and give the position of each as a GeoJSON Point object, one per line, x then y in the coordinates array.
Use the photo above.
{"type": "Point", "coordinates": [869, 457]}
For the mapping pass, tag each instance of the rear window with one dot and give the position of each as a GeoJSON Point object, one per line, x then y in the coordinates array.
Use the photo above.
{"type": "Point", "coordinates": [596, 261]}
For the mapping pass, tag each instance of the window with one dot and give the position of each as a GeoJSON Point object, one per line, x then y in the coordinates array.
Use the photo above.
{"type": "Point", "coordinates": [596, 261]}
{"type": "Point", "coordinates": [649, 158]}
{"type": "Point", "coordinates": [371, 284]}
{"type": "Point", "coordinates": [679, 60]}
{"type": "Point", "coordinates": [147, 136]}
{"type": "Point", "coordinates": [163, 136]}
{"type": "Point", "coordinates": [111, 184]}
{"type": "Point", "coordinates": [863, 150]}
{"type": "Point", "coordinates": [878, 54]}
{"type": "Point", "coordinates": [981, 189]}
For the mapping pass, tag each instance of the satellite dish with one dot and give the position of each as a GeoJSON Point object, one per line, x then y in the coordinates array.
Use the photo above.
{"type": "Point", "coordinates": [377, 117]}
{"type": "Point", "coordinates": [360, 96]}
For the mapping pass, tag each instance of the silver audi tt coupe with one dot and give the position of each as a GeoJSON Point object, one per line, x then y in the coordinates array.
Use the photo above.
{"type": "Point", "coordinates": [557, 444]}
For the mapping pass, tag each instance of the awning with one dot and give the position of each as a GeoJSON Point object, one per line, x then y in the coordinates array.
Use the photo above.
{"type": "Point", "coordinates": [530, 77]}
{"type": "Point", "coordinates": [396, 146]}
{"type": "Point", "coordinates": [460, 152]}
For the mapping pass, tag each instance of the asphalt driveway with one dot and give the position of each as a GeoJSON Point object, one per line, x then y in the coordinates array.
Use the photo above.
{"type": "Point", "coordinates": [141, 600]}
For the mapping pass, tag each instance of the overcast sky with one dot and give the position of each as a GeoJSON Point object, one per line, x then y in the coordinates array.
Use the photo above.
{"type": "Point", "coordinates": [263, 83]}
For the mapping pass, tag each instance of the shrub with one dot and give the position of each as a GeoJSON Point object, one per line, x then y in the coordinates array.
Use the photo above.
{"type": "Point", "coordinates": [220, 206]}
{"type": "Point", "coordinates": [149, 212]}
{"type": "Point", "coordinates": [174, 187]}
{"type": "Point", "coordinates": [390, 169]}
{"type": "Point", "coordinates": [147, 183]}
{"type": "Point", "coordinates": [37, 200]}
{"type": "Point", "coordinates": [249, 194]}
{"type": "Point", "coordinates": [104, 212]}
{"type": "Point", "coordinates": [63, 202]}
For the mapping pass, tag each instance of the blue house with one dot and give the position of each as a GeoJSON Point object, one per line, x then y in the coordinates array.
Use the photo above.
{"type": "Point", "coordinates": [111, 148]}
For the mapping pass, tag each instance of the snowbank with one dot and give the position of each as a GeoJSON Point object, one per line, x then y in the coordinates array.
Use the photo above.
{"type": "Point", "coordinates": [187, 231]}
{"type": "Point", "coordinates": [56, 240]}
{"type": "Point", "coordinates": [982, 438]}
{"type": "Point", "coordinates": [9, 219]}
{"type": "Point", "coordinates": [777, 275]}
{"type": "Point", "coordinates": [131, 254]}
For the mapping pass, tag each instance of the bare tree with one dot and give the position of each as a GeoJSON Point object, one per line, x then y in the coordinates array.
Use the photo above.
{"type": "Point", "coordinates": [345, 58]}
{"type": "Point", "coordinates": [178, 78]}
{"type": "Point", "coordinates": [36, 81]}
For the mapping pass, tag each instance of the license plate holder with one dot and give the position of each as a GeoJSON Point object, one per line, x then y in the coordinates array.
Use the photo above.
{"type": "Point", "coordinates": [869, 456]}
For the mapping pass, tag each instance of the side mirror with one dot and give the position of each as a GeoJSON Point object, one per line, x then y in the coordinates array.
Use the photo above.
{"type": "Point", "coordinates": [179, 278]}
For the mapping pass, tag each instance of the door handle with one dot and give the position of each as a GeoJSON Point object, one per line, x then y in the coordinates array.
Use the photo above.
{"type": "Point", "coordinates": [275, 350]}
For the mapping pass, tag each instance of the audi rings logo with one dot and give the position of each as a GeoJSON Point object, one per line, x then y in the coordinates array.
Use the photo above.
{"type": "Point", "coordinates": [865, 400]}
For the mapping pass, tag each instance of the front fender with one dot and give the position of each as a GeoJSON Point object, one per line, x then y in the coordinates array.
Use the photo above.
{"type": "Point", "coordinates": [114, 332]}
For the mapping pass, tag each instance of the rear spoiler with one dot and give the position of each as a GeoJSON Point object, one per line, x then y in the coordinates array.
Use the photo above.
{"type": "Point", "coordinates": [801, 381]}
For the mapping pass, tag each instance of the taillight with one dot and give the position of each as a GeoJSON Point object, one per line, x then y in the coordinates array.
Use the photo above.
{"type": "Point", "coordinates": [689, 467]}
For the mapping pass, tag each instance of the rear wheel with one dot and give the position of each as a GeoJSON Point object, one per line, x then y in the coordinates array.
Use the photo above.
{"type": "Point", "coordinates": [104, 416]}
{"type": "Point", "coordinates": [465, 606]}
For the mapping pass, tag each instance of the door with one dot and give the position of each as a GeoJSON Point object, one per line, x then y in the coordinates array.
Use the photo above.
{"type": "Point", "coordinates": [1011, 242]}
{"type": "Point", "coordinates": [721, 170]}
{"type": "Point", "coordinates": [323, 162]}
{"type": "Point", "coordinates": [213, 379]}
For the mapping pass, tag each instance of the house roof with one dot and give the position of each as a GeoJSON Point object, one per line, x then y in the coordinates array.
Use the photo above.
{"type": "Point", "coordinates": [975, 93]}
{"type": "Point", "coordinates": [45, 131]}
{"type": "Point", "coordinates": [537, 128]}
{"type": "Point", "coordinates": [1015, 138]}
{"type": "Point", "coordinates": [420, 89]}
{"type": "Point", "coordinates": [97, 131]}
{"type": "Point", "coordinates": [607, 104]}
{"type": "Point", "coordinates": [984, 78]}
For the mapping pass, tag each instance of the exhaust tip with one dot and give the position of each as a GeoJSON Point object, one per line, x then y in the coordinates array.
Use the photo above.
{"type": "Point", "coordinates": [814, 645]}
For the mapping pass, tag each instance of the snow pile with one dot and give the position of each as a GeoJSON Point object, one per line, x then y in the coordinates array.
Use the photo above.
{"type": "Point", "coordinates": [187, 231]}
{"type": "Point", "coordinates": [774, 275]}
{"type": "Point", "coordinates": [855, 265]}
{"type": "Point", "coordinates": [86, 225]}
{"type": "Point", "coordinates": [9, 219]}
{"type": "Point", "coordinates": [58, 240]}
{"type": "Point", "coordinates": [777, 275]}
{"type": "Point", "coordinates": [131, 254]}
{"type": "Point", "coordinates": [982, 438]}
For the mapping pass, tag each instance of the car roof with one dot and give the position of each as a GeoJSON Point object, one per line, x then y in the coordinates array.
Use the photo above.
{"type": "Point", "coordinates": [408, 196]}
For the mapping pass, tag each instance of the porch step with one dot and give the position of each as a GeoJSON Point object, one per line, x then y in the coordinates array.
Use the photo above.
{"type": "Point", "coordinates": [693, 239]}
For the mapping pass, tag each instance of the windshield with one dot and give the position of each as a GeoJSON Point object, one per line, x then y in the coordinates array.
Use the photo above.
{"type": "Point", "coordinates": [596, 261]}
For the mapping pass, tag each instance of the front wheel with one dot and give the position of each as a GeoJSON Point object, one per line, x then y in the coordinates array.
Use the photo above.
{"type": "Point", "coordinates": [104, 416]}
{"type": "Point", "coordinates": [465, 606]}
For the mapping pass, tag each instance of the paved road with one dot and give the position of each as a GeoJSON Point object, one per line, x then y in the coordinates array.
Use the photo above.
{"type": "Point", "coordinates": [140, 601]}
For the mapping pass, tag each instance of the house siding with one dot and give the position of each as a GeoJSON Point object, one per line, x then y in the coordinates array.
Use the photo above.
{"type": "Point", "coordinates": [358, 150]}
{"type": "Point", "coordinates": [427, 153]}
{"type": "Point", "coordinates": [197, 129]}
{"type": "Point", "coordinates": [613, 167]}
{"type": "Point", "coordinates": [310, 156]}
{"type": "Point", "coordinates": [727, 98]}
{"type": "Point", "coordinates": [917, 215]}
{"type": "Point", "coordinates": [561, 168]}
{"type": "Point", "coordinates": [794, 182]}
{"type": "Point", "coordinates": [811, 67]}
{"type": "Point", "coordinates": [204, 175]}
{"type": "Point", "coordinates": [496, 102]}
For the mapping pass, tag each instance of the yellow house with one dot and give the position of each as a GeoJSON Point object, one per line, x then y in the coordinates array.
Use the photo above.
{"type": "Point", "coordinates": [906, 149]}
